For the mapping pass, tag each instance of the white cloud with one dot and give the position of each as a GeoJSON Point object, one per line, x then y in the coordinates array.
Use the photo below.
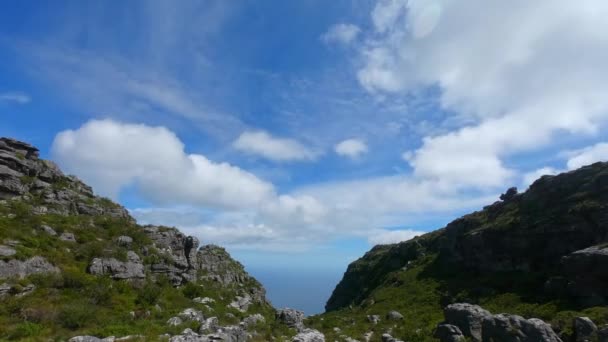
{"type": "Point", "coordinates": [111, 155]}
{"type": "Point", "coordinates": [352, 148]}
{"type": "Point", "coordinates": [501, 67]}
{"type": "Point", "coordinates": [224, 204]}
{"type": "Point", "coordinates": [385, 237]}
{"type": "Point", "coordinates": [278, 149]}
{"type": "Point", "coordinates": [530, 177]}
{"type": "Point", "coordinates": [588, 155]}
{"type": "Point", "coordinates": [341, 33]}
{"type": "Point", "coordinates": [16, 97]}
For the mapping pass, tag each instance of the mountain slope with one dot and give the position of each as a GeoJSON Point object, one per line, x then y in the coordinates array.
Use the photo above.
{"type": "Point", "coordinates": [539, 254]}
{"type": "Point", "coordinates": [72, 263]}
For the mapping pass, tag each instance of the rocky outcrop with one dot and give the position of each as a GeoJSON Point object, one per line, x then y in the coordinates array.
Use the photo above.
{"type": "Point", "coordinates": [23, 175]}
{"type": "Point", "coordinates": [130, 269]}
{"type": "Point", "coordinates": [584, 329]}
{"type": "Point", "coordinates": [22, 269]}
{"type": "Point", "coordinates": [292, 318]}
{"type": "Point", "coordinates": [480, 325]}
{"type": "Point", "coordinates": [586, 275]}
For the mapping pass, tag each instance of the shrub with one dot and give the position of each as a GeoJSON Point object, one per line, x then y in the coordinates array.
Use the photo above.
{"type": "Point", "coordinates": [26, 329]}
{"type": "Point", "coordinates": [76, 315]}
{"type": "Point", "coordinates": [149, 294]}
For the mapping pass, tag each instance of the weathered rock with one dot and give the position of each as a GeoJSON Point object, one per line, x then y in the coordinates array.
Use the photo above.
{"type": "Point", "coordinates": [6, 251]}
{"type": "Point", "coordinates": [309, 335]}
{"type": "Point", "coordinates": [252, 320]}
{"type": "Point", "coordinates": [467, 317]}
{"type": "Point", "coordinates": [231, 333]}
{"type": "Point", "coordinates": [292, 318]}
{"type": "Point", "coordinates": [448, 333]}
{"type": "Point", "coordinates": [22, 269]}
{"type": "Point", "coordinates": [587, 275]}
{"type": "Point", "coordinates": [205, 300]}
{"type": "Point", "coordinates": [85, 339]}
{"type": "Point", "coordinates": [241, 303]}
{"type": "Point", "coordinates": [602, 334]}
{"type": "Point", "coordinates": [503, 327]}
{"type": "Point", "coordinates": [191, 314]}
{"type": "Point", "coordinates": [374, 319]}
{"type": "Point", "coordinates": [48, 229]}
{"type": "Point", "coordinates": [131, 269]}
{"type": "Point", "coordinates": [124, 240]}
{"type": "Point", "coordinates": [584, 329]}
{"type": "Point", "coordinates": [174, 321]}
{"type": "Point", "coordinates": [394, 316]}
{"type": "Point", "coordinates": [69, 237]}
{"type": "Point", "coordinates": [388, 338]}
{"type": "Point", "coordinates": [210, 325]}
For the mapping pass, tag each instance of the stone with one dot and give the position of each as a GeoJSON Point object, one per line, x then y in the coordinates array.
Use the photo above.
{"type": "Point", "coordinates": [309, 335]}
{"type": "Point", "coordinates": [374, 319]}
{"type": "Point", "coordinates": [467, 317]}
{"type": "Point", "coordinates": [174, 321]}
{"type": "Point", "coordinates": [252, 320]}
{"type": "Point", "coordinates": [292, 318]}
{"type": "Point", "coordinates": [448, 333]}
{"type": "Point", "coordinates": [241, 303]}
{"type": "Point", "coordinates": [394, 316]}
{"type": "Point", "coordinates": [69, 237]}
{"type": "Point", "coordinates": [6, 251]}
{"type": "Point", "coordinates": [131, 269]}
{"type": "Point", "coordinates": [191, 314]}
{"type": "Point", "coordinates": [48, 230]}
{"type": "Point", "coordinates": [205, 300]}
{"type": "Point", "coordinates": [22, 269]}
{"type": "Point", "coordinates": [85, 339]}
{"type": "Point", "coordinates": [210, 325]}
{"type": "Point", "coordinates": [584, 329]}
{"type": "Point", "coordinates": [124, 241]}
{"type": "Point", "coordinates": [602, 334]}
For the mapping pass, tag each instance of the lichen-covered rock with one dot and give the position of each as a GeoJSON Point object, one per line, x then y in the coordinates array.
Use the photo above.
{"type": "Point", "coordinates": [394, 316]}
{"type": "Point", "coordinates": [6, 251]}
{"type": "Point", "coordinates": [252, 320]}
{"type": "Point", "coordinates": [467, 317]}
{"type": "Point", "coordinates": [174, 321]}
{"type": "Point", "coordinates": [191, 314]}
{"type": "Point", "coordinates": [292, 318]}
{"type": "Point", "coordinates": [241, 303]}
{"type": "Point", "coordinates": [69, 237]}
{"type": "Point", "coordinates": [210, 325]}
{"type": "Point", "coordinates": [309, 335]}
{"type": "Point", "coordinates": [22, 269]}
{"type": "Point", "coordinates": [503, 327]}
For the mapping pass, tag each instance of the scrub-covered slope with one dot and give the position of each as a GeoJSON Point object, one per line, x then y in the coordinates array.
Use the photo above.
{"type": "Point", "coordinates": [72, 263]}
{"type": "Point", "coordinates": [540, 253]}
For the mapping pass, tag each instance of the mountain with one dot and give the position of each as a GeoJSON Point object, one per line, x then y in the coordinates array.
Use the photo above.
{"type": "Point", "coordinates": [542, 253]}
{"type": "Point", "coordinates": [77, 266]}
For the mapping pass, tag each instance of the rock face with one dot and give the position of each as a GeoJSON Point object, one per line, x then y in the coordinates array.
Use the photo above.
{"type": "Point", "coordinates": [23, 175]}
{"type": "Point", "coordinates": [309, 335]}
{"type": "Point", "coordinates": [22, 269]}
{"type": "Point", "coordinates": [560, 216]}
{"type": "Point", "coordinates": [130, 269]}
{"type": "Point", "coordinates": [480, 325]}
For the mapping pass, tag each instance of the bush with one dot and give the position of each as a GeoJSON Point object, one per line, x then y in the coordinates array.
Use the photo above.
{"type": "Point", "coordinates": [26, 329]}
{"type": "Point", "coordinates": [149, 294]}
{"type": "Point", "coordinates": [75, 316]}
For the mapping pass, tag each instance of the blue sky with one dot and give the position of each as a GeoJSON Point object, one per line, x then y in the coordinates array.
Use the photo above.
{"type": "Point", "coordinates": [300, 133]}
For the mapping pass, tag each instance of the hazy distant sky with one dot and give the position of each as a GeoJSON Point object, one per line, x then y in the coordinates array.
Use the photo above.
{"type": "Point", "coordinates": [300, 133]}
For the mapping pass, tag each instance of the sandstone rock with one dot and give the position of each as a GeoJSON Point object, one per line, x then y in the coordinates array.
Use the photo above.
{"type": "Point", "coordinates": [191, 314]}
{"type": "Point", "coordinates": [252, 320]}
{"type": "Point", "coordinates": [48, 230]}
{"type": "Point", "coordinates": [22, 269]}
{"type": "Point", "coordinates": [448, 333]}
{"type": "Point", "coordinates": [394, 316]}
{"type": "Point", "coordinates": [174, 321]}
{"type": "Point", "coordinates": [6, 251]}
{"type": "Point", "coordinates": [584, 329]}
{"type": "Point", "coordinates": [124, 240]}
{"type": "Point", "coordinates": [309, 335]}
{"type": "Point", "coordinates": [292, 318]}
{"type": "Point", "coordinates": [210, 325]}
{"type": "Point", "coordinates": [374, 319]}
{"type": "Point", "coordinates": [131, 269]}
{"type": "Point", "coordinates": [467, 317]}
{"type": "Point", "coordinates": [67, 237]}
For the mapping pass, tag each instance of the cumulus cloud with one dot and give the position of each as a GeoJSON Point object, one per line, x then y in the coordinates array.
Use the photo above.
{"type": "Point", "coordinates": [224, 204]}
{"type": "Point", "coordinates": [15, 97]}
{"type": "Point", "coordinates": [111, 155]}
{"type": "Point", "coordinates": [385, 237]}
{"type": "Point", "coordinates": [588, 155]}
{"type": "Point", "coordinates": [341, 33]}
{"type": "Point", "coordinates": [531, 176]}
{"type": "Point", "coordinates": [352, 148]}
{"type": "Point", "coordinates": [277, 149]}
{"type": "Point", "coordinates": [500, 67]}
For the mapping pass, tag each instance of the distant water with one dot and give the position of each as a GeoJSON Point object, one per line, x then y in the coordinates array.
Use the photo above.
{"type": "Point", "coordinates": [303, 290]}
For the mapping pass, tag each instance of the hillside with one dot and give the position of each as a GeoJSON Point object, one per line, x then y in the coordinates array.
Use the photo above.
{"type": "Point", "coordinates": [536, 254]}
{"type": "Point", "coordinates": [74, 264]}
